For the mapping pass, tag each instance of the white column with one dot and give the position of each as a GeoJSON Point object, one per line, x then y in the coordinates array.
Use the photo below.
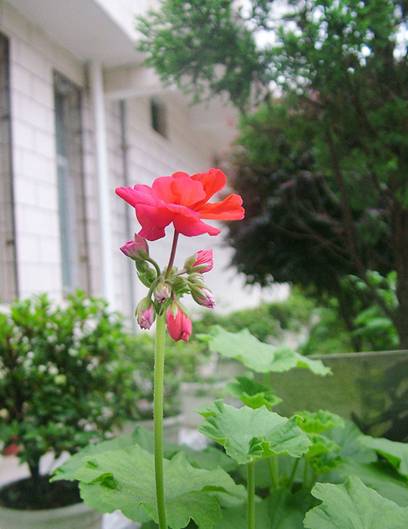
{"type": "Point", "coordinates": [104, 188]}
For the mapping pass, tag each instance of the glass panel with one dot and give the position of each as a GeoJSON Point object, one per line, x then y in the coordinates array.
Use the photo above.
{"type": "Point", "coordinates": [370, 388]}
{"type": "Point", "coordinates": [71, 199]}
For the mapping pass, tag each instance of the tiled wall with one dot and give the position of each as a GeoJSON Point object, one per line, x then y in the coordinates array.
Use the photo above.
{"type": "Point", "coordinates": [33, 57]}
{"type": "Point", "coordinates": [32, 60]}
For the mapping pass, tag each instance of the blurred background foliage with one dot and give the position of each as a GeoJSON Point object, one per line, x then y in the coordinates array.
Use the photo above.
{"type": "Point", "coordinates": [321, 156]}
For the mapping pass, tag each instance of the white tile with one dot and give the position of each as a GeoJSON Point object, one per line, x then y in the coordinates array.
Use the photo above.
{"type": "Point", "coordinates": [23, 135]}
{"type": "Point", "coordinates": [25, 191]}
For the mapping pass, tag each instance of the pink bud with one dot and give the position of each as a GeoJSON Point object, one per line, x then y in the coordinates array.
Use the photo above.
{"type": "Point", "coordinates": [137, 248]}
{"type": "Point", "coordinates": [203, 261]}
{"type": "Point", "coordinates": [162, 292]}
{"type": "Point", "coordinates": [145, 313]}
{"type": "Point", "coordinates": [179, 325]}
{"type": "Point", "coordinates": [204, 297]}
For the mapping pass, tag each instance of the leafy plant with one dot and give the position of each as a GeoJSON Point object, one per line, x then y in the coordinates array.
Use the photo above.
{"type": "Point", "coordinates": [284, 463]}
{"type": "Point", "coordinates": [368, 329]}
{"type": "Point", "coordinates": [64, 377]}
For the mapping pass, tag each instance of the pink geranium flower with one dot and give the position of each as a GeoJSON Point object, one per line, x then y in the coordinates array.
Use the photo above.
{"type": "Point", "coordinates": [181, 200]}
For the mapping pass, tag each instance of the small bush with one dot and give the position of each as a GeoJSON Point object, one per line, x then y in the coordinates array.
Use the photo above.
{"type": "Point", "coordinates": [64, 376]}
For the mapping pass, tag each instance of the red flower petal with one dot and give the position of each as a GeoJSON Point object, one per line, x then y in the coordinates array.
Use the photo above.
{"type": "Point", "coordinates": [153, 221]}
{"type": "Point", "coordinates": [212, 181]}
{"type": "Point", "coordinates": [228, 209]}
{"type": "Point", "coordinates": [180, 189]}
{"type": "Point", "coordinates": [188, 223]}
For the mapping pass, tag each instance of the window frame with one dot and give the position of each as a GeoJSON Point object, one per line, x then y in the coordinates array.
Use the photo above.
{"type": "Point", "coordinates": [73, 230]}
{"type": "Point", "coordinates": [9, 287]}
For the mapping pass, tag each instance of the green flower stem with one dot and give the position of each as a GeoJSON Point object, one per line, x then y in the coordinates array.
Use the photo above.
{"type": "Point", "coordinates": [251, 495]}
{"type": "Point", "coordinates": [156, 266]}
{"type": "Point", "coordinates": [305, 474]}
{"type": "Point", "coordinates": [273, 464]}
{"type": "Point", "coordinates": [158, 418]}
{"type": "Point", "coordinates": [293, 474]}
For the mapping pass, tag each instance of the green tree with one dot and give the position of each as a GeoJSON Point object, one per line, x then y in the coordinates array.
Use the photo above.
{"type": "Point", "coordinates": [340, 70]}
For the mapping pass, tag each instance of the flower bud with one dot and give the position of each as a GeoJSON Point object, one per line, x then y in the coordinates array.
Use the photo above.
{"type": "Point", "coordinates": [179, 325]}
{"type": "Point", "coordinates": [162, 292]}
{"type": "Point", "coordinates": [136, 249]}
{"type": "Point", "coordinates": [201, 262]}
{"type": "Point", "coordinates": [145, 313]}
{"type": "Point", "coordinates": [203, 297]}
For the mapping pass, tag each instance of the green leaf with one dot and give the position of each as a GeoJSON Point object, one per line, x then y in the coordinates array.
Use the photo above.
{"type": "Point", "coordinates": [379, 477]}
{"type": "Point", "coordinates": [123, 479]}
{"type": "Point", "coordinates": [324, 454]}
{"type": "Point", "coordinates": [249, 435]}
{"type": "Point", "coordinates": [348, 438]}
{"type": "Point", "coordinates": [395, 453]}
{"type": "Point", "coordinates": [258, 356]}
{"type": "Point", "coordinates": [281, 510]}
{"type": "Point", "coordinates": [287, 510]}
{"type": "Point", "coordinates": [318, 421]}
{"type": "Point", "coordinates": [252, 393]}
{"type": "Point", "coordinates": [210, 458]}
{"type": "Point", "coordinates": [352, 505]}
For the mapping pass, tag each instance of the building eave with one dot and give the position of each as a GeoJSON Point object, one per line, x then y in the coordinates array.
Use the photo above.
{"type": "Point", "coordinates": [86, 28]}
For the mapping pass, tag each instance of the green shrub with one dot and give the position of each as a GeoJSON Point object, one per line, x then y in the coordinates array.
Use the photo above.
{"type": "Point", "coordinates": [371, 329]}
{"type": "Point", "coordinates": [65, 379]}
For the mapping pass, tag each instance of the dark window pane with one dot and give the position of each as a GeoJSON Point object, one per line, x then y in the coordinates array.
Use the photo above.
{"type": "Point", "coordinates": [158, 116]}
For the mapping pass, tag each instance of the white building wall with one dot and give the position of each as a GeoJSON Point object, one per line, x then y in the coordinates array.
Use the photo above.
{"type": "Point", "coordinates": [34, 57]}
{"type": "Point", "coordinates": [32, 60]}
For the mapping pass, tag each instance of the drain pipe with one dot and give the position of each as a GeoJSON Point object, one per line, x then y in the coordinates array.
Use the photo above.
{"type": "Point", "coordinates": [104, 187]}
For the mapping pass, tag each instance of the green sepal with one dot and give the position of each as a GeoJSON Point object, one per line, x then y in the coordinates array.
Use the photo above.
{"type": "Point", "coordinates": [146, 273]}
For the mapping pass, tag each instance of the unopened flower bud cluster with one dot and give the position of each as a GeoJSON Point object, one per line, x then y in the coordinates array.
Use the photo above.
{"type": "Point", "coordinates": [166, 288]}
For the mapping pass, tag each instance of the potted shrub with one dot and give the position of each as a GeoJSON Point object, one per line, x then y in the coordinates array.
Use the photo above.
{"type": "Point", "coordinates": [63, 385]}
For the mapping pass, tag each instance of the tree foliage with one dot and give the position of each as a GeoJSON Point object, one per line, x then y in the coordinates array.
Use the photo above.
{"type": "Point", "coordinates": [323, 160]}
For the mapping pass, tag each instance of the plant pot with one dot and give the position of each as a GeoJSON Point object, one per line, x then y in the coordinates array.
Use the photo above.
{"type": "Point", "coordinates": [171, 425]}
{"type": "Point", "coordinates": [78, 516]}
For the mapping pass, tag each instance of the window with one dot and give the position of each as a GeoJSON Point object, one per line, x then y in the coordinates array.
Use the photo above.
{"type": "Point", "coordinates": [71, 196]}
{"type": "Point", "coordinates": [8, 273]}
{"type": "Point", "coordinates": [158, 116]}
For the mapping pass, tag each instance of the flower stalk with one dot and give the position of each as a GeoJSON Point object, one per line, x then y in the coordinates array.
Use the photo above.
{"type": "Point", "coordinates": [181, 200]}
{"type": "Point", "coordinates": [273, 464]}
{"type": "Point", "coordinates": [158, 418]}
{"type": "Point", "coordinates": [251, 495]}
